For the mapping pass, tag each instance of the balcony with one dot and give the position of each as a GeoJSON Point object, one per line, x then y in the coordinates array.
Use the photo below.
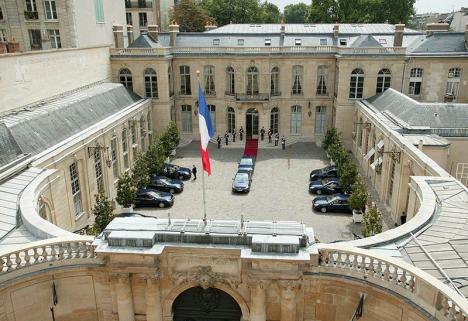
{"type": "Point", "coordinates": [31, 15]}
{"type": "Point", "coordinates": [255, 97]}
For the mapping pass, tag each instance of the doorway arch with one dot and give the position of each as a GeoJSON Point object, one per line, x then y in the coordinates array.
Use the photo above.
{"type": "Point", "coordinates": [198, 304]}
{"type": "Point", "coordinates": [251, 123]}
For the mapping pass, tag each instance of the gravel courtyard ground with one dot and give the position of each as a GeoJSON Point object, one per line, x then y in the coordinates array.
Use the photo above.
{"type": "Point", "coordinates": [279, 190]}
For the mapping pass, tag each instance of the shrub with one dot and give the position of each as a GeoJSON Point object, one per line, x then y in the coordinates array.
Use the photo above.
{"type": "Point", "coordinates": [103, 215]}
{"type": "Point", "coordinates": [372, 220]}
{"type": "Point", "coordinates": [173, 134]}
{"type": "Point", "coordinates": [358, 198]}
{"type": "Point", "coordinates": [348, 173]}
{"type": "Point", "coordinates": [331, 136]}
{"type": "Point", "coordinates": [125, 191]}
{"type": "Point", "coordinates": [140, 173]}
{"type": "Point", "coordinates": [154, 158]}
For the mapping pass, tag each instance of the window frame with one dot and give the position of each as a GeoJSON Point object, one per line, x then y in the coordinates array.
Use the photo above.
{"type": "Point", "coordinates": [126, 78]}
{"type": "Point", "coordinates": [274, 81]}
{"type": "Point", "coordinates": [356, 84]}
{"type": "Point", "coordinates": [142, 22]}
{"type": "Point", "coordinates": [186, 118]}
{"type": "Point", "coordinates": [185, 80]}
{"type": "Point", "coordinates": [54, 38]}
{"type": "Point", "coordinates": [151, 83]}
{"type": "Point", "coordinates": [231, 119]}
{"type": "Point", "coordinates": [252, 86]}
{"type": "Point", "coordinates": [320, 120]}
{"type": "Point", "coordinates": [52, 9]}
{"type": "Point", "coordinates": [296, 120]}
{"type": "Point", "coordinates": [125, 150]}
{"type": "Point", "coordinates": [322, 81]}
{"type": "Point", "coordinates": [99, 11]}
{"type": "Point", "coordinates": [415, 81]}
{"type": "Point", "coordinates": [384, 80]}
{"type": "Point", "coordinates": [453, 82]}
{"type": "Point", "coordinates": [209, 80]}
{"type": "Point", "coordinates": [98, 170]}
{"type": "Point", "coordinates": [74, 174]}
{"type": "Point", "coordinates": [297, 80]}
{"type": "Point", "coordinates": [114, 158]}
{"type": "Point", "coordinates": [230, 81]}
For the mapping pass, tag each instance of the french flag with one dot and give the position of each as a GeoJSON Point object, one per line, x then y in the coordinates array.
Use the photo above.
{"type": "Point", "coordinates": [206, 129]}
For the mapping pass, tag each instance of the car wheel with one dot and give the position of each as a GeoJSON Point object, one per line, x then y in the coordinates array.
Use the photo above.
{"type": "Point", "coordinates": [162, 205]}
{"type": "Point", "coordinates": [319, 192]}
{"type": "Point", "coordinates": [323, 209]}
{"type": "Point", "coordinates": [172, 191]}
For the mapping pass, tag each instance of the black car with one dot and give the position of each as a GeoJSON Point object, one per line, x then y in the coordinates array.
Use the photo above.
{"type": "Point", "coordinates": [241, 182]}
{"type": "Point", "coordinates": [325, 186]}
{"type": "Point", "coordinates": [152, 198]}
{"type": "Point", "coordinates": [165, 184]}
{"type": "Point", "coordinates": [247, 163]}
{"type": "Point", "coordinates": [329, 171]}
{"type": "Point", "coordinates": [130, 214]}
{"type": "Point", "coordinates": [334, 203]}
{"type": "Point", "coordinates": [177, 172]}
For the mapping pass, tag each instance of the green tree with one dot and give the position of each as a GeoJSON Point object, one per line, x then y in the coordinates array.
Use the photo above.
{"type": "Point", "coordinates": [348, 173]}
{"type": "Point", "coordinates": [190, 16]}
{"type": "Point", "coordinates": [269, 13]}
{"type": "Point", "coordinates": [173, 133]}
{"type": "Point", "coordinates": [126, 191]}
{"type": "Point", "coordinates": [140, 172]}
{"type": "Point", "coordinates": [154, 158]}
{"type": "Point", "coordinates": [331, 136]}
{"type": "Point", "coordinates": [372, 222]}
{"type": "Point", "coordinates": [296, 13]}
{"type": "Point", "coordinates": [324, 11]}
{"type": "Point", "coordinates": [358, 198]}
{"type": "Point", "coordinates": [102, 212]}
{"type": "Point", "coordinates": [233, 11]}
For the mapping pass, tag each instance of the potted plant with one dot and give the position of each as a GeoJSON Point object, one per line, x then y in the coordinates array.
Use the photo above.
{"type": "Point", "coordinates": [358, 200]}
{"type": "Point", "coordinates": [126, 192]}
{"type": "Point", "coordinates": [372, 222]}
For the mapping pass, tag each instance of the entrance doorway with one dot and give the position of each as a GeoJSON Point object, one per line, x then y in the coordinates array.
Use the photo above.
{"type": "Point", "coordinates": [198, 304]}
{"type": "Point", "coordinates": [251, 123]}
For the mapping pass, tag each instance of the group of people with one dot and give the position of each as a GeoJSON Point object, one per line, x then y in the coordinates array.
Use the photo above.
{"type": "Point", "coordinates": [262, 137]}
{"type": "Point", "coordinates": [233, 134]}
{"type": "Point", "coordinates": [270, 136]}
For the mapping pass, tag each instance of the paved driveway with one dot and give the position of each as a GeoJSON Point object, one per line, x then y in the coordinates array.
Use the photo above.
{"type": "Point", "coordinates": [279, 190]}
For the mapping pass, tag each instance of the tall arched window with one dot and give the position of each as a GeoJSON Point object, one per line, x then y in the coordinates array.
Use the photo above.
{"type": "Point", "coordinates": [274, 88]}
{"type": "Point", "coordinates": [125, 148]}
{"type": "Point", "coordinates": [230, 81]}
{"type": "Point", "coordinates": [186, 115]}
{"type": "Point", "coordinates": [231, 119]}
{"type": "Point", "coordinates": [298, 75]}
{"type": "Point", "coordinates": [453, 83]}
{"type": "Point", "coordinates": [296, 119]}
{"type": "Point", "coordinates": [384, 79]}
{"type": "Point", "coordinates": [359, 133]}
{"type": "Point", "coordinates": [125, 78]}
{"type": "Point", "coordinates": [252, 81]}
{"type": "Point", "coordinates": [356, 84]}
{"type": "Point", "coordinates": [209, 77]}
{"type": "Point", "coordinates": [185, 86]}
{"type": "Point", "coordinates": [142, 134]}
{"type": "Point", "coordinates": [171, 81]}
{"type": "Point", "coordinates": [322, 81]}
{"type": "Point", "coordinates": [274, 120]}
{"type": "Point", "coordinates": [415, 82]}
{"type": "Point", "coordinates": [151, 83]}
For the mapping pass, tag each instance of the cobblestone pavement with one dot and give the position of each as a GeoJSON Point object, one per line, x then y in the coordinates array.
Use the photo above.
{"type": "Point", "coordinates": [279, 190]}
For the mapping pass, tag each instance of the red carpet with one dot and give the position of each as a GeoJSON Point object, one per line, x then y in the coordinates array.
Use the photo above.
{"type": "Point", "coordinates": [251, 147]}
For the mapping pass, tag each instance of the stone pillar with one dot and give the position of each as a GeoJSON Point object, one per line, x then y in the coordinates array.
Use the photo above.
{"type": "Point", "coordinates": [258, 301]}
{"type": "Point", "coordinates": [153, 299]}
{"type": "Point", "coordinates": [118, 36]}
{"type": "Point", "coordinates": [288, 299]}
{"type": "Point", "coordinates": [124, 297]}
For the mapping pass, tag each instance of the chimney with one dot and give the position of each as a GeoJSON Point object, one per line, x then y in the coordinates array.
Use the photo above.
{"type": "Point", "coordinates": [336, 31]}
{"type": "Point", "coordinates": [398, 37]}
{"type": "Point", "coordinates": [153, 32]}
{"type": "Point", "coordinates": [118, 36]}
{"type": "Point", "coordinates": [466, 36]}
{"type": "Point", "coordinates": [130, 34]}
{"type": "Point", "coordinates": [210, 26]}
{"type": "Point", "coordinates": [431, 27]}
{"type": "Point", "coordinates": [173, 31]}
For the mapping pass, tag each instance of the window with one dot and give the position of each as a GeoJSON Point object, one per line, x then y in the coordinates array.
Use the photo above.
{"type": "Point", "coordinates": [142, 4]}
{"type": "Point", "coordinates": [320, 119]}
{"type": "Point", "coordinates": [359, 132]}
{"type": "Point", "coordinates": [323, 42]}
{"type": "Point", "coordinates": [208, 75]}
{"type": "Point", "coordinates": [298, 42]}
{"type": "Point", "coordinates": [252, 81]}
{"type": "Point", "coordinates": [30, 6]}
{"type": "Point", "coordinates": [35, 39]}
{"type": "Point", "coordinates": [415, 82]}
{"type": "Point", "coordinates": [126, 79]}
{"type": "Point", "coordinates": [125, 149]}
{"type": "Point", "coordinates": [3, 36]}
{"type": "Point", "coordinates": [151, 83]}
{"type": "Point", "coordinates": [54, 36]}
{"type": "Point", "coordinates": [115, 164]}
{"type": "Point", "coordinates": [75, 188]}
{"type": "Point", "coordinates": [356, 85]}
{"type": "Point", "coordinates": [392, 178]}
{"type": "Point", "coordinates": [142, 134]}
{"type": "Point", "coordinates": [267, 42]}
{"type": "Point", "coordinates": [50, 10]}
{"type": "Point", "coordinates": [143, 19]}
{"type": "Point", "coordinates": [128, 16]}
{"type": "Point", "coordinates": [186, 118]}
{"type": "Point", "coordinates": [171, 83]}
{"type": "Point", "coordinates": [297, 73]}
{"type": "Point", "coordinates": [1, 14]}
{"type": "Point", "coordinates": [296, 119]}
{"type": "Point", "coordinates": [343, 42]}
{"type": "Point", "coordinates": [185, 87]}
{"type": "Point", "coordinates": [240, 42]}
{"type": "Point", "coordinates": [453, 83]}
{"type": "Point", "coordinates": [133, 138]}
{"type": "Point", "coordinates": [322, 79]}
{"type": "Point", "coordinates": [383, 41]}
{"type": "Point", "coordinates": [230, 81]}
{"type": "Point", "coordinates": [149, 127]}
{"type": "Point", "coordinates": [231, 119]}
{"type": "Point", "coordinates": [274, 120]}
{"type": "Point", "coordinates": [215, 42]}
{"type": "Point", "coordinates": [99, 10]}
{"type": "Point", "coordinates": [98, 170]}
{"type": "Point", "coordinates": [212, 109]}
{"type": "Point", "coordinates": [128, 3]}
{"type": "Point", "coordinates": [274, 87]}
{"type": "Point", "coordinates": [384, 79]}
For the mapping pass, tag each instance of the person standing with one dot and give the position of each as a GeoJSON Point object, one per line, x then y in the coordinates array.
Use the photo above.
{"type": "Point", "coordinates": [241, 133]}
{"type": "Point", "coordinates": [262, 133]}
{"type": "Point", "coordinates": [269, 135]}
{"type": "Point", "coordinates": [233, 135]}
{"type": "Point", "coordinates": [218, 140]}
{"type": "Point", "coordinates": [276, 139]}
{"type": "Point", "coordinates": [194, 172]}
{"type": "Point", "coordinates": [226, 138]}
{"type": "Point", "coordinates": [403, 218]}
{"type": "Point", "coordinates": [283, 143]}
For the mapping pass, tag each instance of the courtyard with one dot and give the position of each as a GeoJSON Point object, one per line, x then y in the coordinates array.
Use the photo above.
{"type": "Point", "coordinates": [279, 190]}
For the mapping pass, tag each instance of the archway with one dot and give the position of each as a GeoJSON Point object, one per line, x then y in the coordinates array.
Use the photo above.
{"type": "Point", "coordinates": [198, 304]}
{"type": "Point", "coordinates": [251, 123]}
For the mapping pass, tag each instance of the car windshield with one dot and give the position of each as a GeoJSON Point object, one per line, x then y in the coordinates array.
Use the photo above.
{"type": "Point", "coordinates": [242, 177]}
{"type": "Point", "coordinates": [154, 194]}
{"type": "Point", "coordinates": [332, 198]}
{"type": "Point", "coordinates": [246, 161]}
{"type": "Point", "coordinates": [328, 180]}
{"type": "Point", "coordinates": [165, 181]}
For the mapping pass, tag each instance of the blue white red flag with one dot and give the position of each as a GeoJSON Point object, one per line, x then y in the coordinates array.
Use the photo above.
{"type": "Point", "coordinates": [206, 129]}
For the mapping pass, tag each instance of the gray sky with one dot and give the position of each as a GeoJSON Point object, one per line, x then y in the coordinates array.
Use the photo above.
{"type": "Point", "coordinates": [422, 6]}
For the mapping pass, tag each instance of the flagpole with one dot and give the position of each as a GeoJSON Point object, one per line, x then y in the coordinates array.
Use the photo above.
{"type": "Point", "coordinates": [203, 171]}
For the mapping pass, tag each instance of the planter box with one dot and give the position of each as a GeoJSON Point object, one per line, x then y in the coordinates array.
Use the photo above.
{"type": "Point", "coordinates": [357, 216]}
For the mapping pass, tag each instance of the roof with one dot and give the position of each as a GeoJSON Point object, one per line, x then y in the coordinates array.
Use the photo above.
{"type": "Point", "coordinates": [145, 41]}
{"type": "Point", "coordinates": [439, 42]}
{"type": "Point", "coordinates": [427, 140]}
{"type": "Point", "coordinates": [365, 41]}
{"type": "Point", "coordinates": [47, 123]}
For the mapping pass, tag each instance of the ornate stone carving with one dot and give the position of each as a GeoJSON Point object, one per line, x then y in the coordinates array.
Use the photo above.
{"type": "Point", "coordinates": [289, 285]}
{"type": "Point", "coordinates": [205, 277]}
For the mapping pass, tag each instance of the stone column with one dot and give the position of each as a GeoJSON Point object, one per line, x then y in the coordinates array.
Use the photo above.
{"type": "Point", "coordinates": [153, 299]}
{"type": "Point", "coordinates": [288, 299]}
{"type": "Point", "coordinates": [258, 301]}
{"type": "Point", "coordinates": [124, 297]}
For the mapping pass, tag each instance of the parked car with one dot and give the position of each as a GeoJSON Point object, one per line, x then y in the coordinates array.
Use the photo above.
{"type": "Point", "coordinates": [247, 163]}
{"type": "Point", "coordinates": [329, 185]}
{"type": "Point", "coordinates": [151, 198]}
{"type": "Point", "coordinates": [329, 171]}
{"type": "Point", "coordinates": [334, 203]}
{"type": "Point", "coordinates": [165, 184]}
{"type": "Point", "coordinates": [177, 172]}
{"type": "Point", "coordinates": [130, 214]}
{"type": "Point", "coordinates": [241, 182]}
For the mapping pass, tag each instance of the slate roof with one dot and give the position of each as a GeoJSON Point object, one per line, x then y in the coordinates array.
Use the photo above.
{"type": "Point", "coordinates": [365, 41]}
{"type": "Point", "coordinates": [145, 41]}
{"type": "Point", "coordinates": [439, 42]}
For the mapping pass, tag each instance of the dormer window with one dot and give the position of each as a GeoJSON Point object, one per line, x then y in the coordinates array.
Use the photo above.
{"type": "Point", "coordinates": [383, 41]}
{"type": "Point", "coordinates": [298, 42]}
{"type": "Point", "coordinates": [215, 42]}
{"type": "Point", "coordinates": [240, 42]}
{"type": "Point", "coordinates": [343, 42]}
{"type": "Point", "coordinates": [267, 42]}
{"type": "Point", "coordinates": [323, 42]}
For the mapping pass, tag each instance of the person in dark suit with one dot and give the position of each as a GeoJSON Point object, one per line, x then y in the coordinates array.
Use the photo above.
{"type": "Point", "coordinates": [226, 138]}
{"type": "Point", "coordinates": [276, 139]}
{"type": "Point", "coordinates": [194, 172]}
{"type": "Point", "coordinates": [218, 140]}
{"type": "Point", "coordinates": [241, 133]}
{"type": "Point", "coordinates": [262, 133]}
{"type": "Point", "coordinates": [233, 135]}
{"type": "Point", "coordinates": [283, 143]}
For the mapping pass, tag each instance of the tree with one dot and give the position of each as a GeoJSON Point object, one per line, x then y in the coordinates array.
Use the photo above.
{"type": "Point", "coordinates": [348, 173]}
{"type": "Point", "coordinates": [173, 133]}
{"type": "Point", "coordinates": [102, 212]}
{"type": "Point", "coordinates": [331, 136]}
{"type": "Point", "coordinates": [358, 198]}
{"type": "Point", "coordinates": [296, 13]}
{"type": "Point", "coordinates": [372, 220]}
{"type": "Point", "coordinates": [233, 11]}
{"type": "Point", "coordinates": [269, 13]}
{"type": "Point", "coordinates": [324, 11]}
{"type": "Point", "coordinates": [126, 191]}
{"type": "Point", "coordinates": [190, 16]}
{"type": "Point", "coordinates": [140, 173]}
{"type": "Point", "coordinates": [154, 158]}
